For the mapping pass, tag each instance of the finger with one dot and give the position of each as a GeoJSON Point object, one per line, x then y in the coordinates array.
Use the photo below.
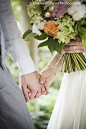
{"type": "Point", "coordinates": [42, 80]}
{"type": "Point", "coordinates": [25, 92]}
{"type": "Point", "coordinates": [33, 93]}
{"type": "Point", "coordinates": [71, 48]}
{"type": "Point", "coordinates": [29, 92]}
{"type": "Point", "coordinates": [37, 95]}
{"type": "Point", "coordinates": [76, 51]}
{"type": "Point", "coordinates": [37, 75]}
{"type": "Point", "coordinates": [43, 90]}
{"type": "Point", "coordinates": [46, 88]}
{"type": "Point", "coordinates": [78, 39]}
{"type": "Point", "coordinates": [74, 43]}
{"type": "Point", "coordinates": [40, 87]}
{"type": "Point", "coordinates": [44, 74]}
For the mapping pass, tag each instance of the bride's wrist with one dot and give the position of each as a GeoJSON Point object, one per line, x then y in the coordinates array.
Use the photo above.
{"type": "Point", "coordinates": [53, 70]}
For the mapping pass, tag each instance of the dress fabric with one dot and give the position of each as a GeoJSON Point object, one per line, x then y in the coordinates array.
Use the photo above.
{"type": "Point", "coordinates": [70, 108]}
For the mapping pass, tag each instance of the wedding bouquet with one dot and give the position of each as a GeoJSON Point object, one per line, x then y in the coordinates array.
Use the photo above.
{"type": "Point", "coordinates": [56, 23]}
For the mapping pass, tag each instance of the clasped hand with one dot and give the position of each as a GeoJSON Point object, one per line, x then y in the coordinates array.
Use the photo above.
{"type": "Point", "coordinates": [34, 85]}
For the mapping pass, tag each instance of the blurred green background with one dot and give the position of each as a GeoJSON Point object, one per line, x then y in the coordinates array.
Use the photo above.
{"type": "Point", "coordinates": [41, 108]}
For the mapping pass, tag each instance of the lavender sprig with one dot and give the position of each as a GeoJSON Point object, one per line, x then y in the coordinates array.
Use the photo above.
{"type": "Point", "coordinates": [60, 9]}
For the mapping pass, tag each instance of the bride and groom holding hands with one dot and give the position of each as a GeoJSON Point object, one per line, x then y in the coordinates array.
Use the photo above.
{"type": "Point", "coordinates": [14, 113]}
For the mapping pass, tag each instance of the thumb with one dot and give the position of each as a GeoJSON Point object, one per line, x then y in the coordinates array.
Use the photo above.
{"type": "Point", "coordinates": [42, 80]}
{"type": "Point", "coordinates": [44, 74]}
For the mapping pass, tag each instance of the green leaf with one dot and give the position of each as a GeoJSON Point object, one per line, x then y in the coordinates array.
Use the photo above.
{"type": "Point", "coordinates": [51, 43]}
{"type": "Point", "coordinates": [43, 44]}
{"type": "Point", "coordinates": [26, 33]}
{"type": "Point", "coordinates": [59, 49]}
{"type": "Point", "coordinates": [54, 45]}
{"type": "Point", "coordinates": [83, 28]}
{"type": "Point", "coordinates": [82, 33]}
{"type": "Point", "coordinates": [30, 36]}
{"type": "Point", "coordinates": [41, 37]}
{"type": "Point", "coordinates": [76, 29]}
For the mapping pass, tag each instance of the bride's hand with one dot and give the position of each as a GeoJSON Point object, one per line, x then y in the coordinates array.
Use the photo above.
{"type": "Point", "coordinates": [75, 46]}
{"type": "Point", "coordinates": [47, 76]}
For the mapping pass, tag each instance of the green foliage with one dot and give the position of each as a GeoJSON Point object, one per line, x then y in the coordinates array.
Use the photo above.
{"type": "Point", "coordinates": [33, 11]}
{"type": "Point", "coordinates": [27, 33]}
{"type": "Point", "coordinates": [46, 104]}
{"type": "Point", "coordinates": [80, 30]}
{"type": "Point", "coordinates": [45, 43]}
{"type": "Point", "coordinates": [16, 8]}
{"type": "Point", "coordinates": [30, 36]}
{"type": "Point", "coordinates": [59, 48]}
{"type": "Point", "coordinates": [66, 25]}
{"type": "Point", "coordinates": [40, 119]}
{"type": "Point", "coordinates": [38, 8]}
{"type": "Point", "coordinates": [52, 44]}
{"type": "Point", "coordinates": [76, 29]}
{"type": "Point", "coordinates": [41, 37]}
{"type": "Point", "coordinates": [82, 33]}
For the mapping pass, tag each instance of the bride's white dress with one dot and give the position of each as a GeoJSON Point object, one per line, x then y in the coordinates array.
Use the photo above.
{"type": "Point", "coordinates": [70, 108]}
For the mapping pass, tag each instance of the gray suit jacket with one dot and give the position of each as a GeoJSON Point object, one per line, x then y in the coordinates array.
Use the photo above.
{"type": "Point", "coordinates": [14, 113]}
{"type": "Point", "coordinates": [14, 45]}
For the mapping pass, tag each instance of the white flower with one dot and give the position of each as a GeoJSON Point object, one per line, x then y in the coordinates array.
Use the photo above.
{"type": "Point", "coordinates": [38, 25]}
{"type": "Point", "coordinates": [35, 30]}
{"type": "Point", "coordinates": [77, 10]}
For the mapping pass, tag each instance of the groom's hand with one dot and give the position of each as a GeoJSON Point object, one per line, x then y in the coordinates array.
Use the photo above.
{"type": "Point", "coordinates": [47, 76]}
{"type": "Point", "coordinates": [31, 82]}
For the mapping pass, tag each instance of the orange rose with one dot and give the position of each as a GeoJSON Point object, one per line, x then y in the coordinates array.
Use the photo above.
{"type": "Point", "coordinates": [51, 28]}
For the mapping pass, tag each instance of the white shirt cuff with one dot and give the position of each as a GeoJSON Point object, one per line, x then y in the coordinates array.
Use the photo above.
{"type": "Point", "coordinates": [26, 66]}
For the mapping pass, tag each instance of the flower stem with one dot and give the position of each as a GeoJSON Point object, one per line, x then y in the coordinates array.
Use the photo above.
{"type": "Point", "coordinates": [80, 59]}
{"type": "Point", "coordinates": [58, 60]}
{"type": "Point", "coordinates": [75, 61]}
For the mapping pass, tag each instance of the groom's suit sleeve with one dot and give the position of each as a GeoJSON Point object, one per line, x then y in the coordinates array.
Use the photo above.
{"type": "Point", "coordinates": [14, 44]}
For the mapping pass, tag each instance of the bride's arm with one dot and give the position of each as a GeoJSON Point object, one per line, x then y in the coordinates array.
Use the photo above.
{"type": "Point", "coordinates": [48, 74]}
{"type": "Point", "coordinates": [53, 61]}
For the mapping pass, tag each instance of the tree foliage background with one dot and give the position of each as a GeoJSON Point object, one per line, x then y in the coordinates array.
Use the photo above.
{"type": "Point", "coordinates": [41, 108]}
